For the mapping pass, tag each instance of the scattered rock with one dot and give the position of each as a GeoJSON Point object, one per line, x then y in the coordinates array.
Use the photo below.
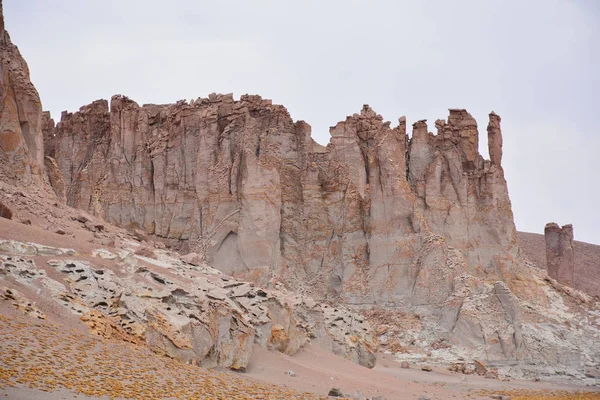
{"type": "Point", "coordinates": [491, 375]}
{"type": "Point", "coordinates": [81, 218]}
{"type": "Point", "coordinates": [335, 392]}
{"type": "Point", "coordinates": [145, 252]}
{"type": "Point", "coordinates": [291, 373]}
{"type": "Point", "coordinates": [25, 221]}
{"type": "Point", "coordinates": [192, 259]}
{"type": "Point", "coordinates": [5, 212]}
{"type": "Point", "coordinates": [90, 226]}
{"type": "Point", "coordinates": [480, 368]}
{"type": "Point", "coordinates": [140, 235]}
{"type": "Point", "coordinates": [426, 368]}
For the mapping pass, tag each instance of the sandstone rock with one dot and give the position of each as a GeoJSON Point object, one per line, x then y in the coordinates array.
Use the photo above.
{"type": "Point", "coordinates": [272, 200]}
{"type": "Point", "coordinates": [145, 252]}
{"type": "Point", "coordinates": [194, 318]}
{"type": "Point", "coordinates": [81, 218]}
{"type": "Point", "coordinates": [21, 141]}
{"type": "Point", "coordinates": [559, 252]}
{"type": "Point", "coordinates": [279, 339]}
{"type": "Point", "coordinates": [55, 178]}
{"type": "Point", "coordinates": [192, 259]}
{"type": "Point", "coordinates": [5, 212]}
{"type": "Point", "coordinates": [89, 226]}
{"type": "Point", "coordinates": [335, 392]}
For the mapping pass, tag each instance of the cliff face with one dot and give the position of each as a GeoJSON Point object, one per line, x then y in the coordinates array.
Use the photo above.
{"type": "Point", "coordinates": [244, 185]}
{"type": "Point", "coordinates": [372, 219]}
{"type": "Point", "coordinates": [21, 143]}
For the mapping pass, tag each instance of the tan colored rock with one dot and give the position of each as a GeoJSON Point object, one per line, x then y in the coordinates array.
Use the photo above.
{"type": "Point", "coordinates": [560, 257]}
{"type": "Point", "coordinates": [21, 141]}
{"type": "Point", "coordinates": [372, 218]}
{"type": "Point", "coordinates": [5, 211]}
{"type": "Point", "coordinates": [480, 367]}
{"type": "Point", "coordinates": [192, 259]}
{"type": "Point", "coordinates": [495, 139]}
{"type": "Point", "coordinates": [55, 178]}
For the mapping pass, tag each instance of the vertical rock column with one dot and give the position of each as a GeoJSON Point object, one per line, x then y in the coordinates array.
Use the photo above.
{"type": "Point", "coordinates": [560, 257]}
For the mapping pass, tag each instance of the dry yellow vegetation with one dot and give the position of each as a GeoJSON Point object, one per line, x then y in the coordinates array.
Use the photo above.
{"type": "Point", "coordinates": [40, 355]}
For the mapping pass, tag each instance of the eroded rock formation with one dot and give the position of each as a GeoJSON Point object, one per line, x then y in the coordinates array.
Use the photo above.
{"type": "Point", "coordinates": [21, 142]}
{"type": "Point", "coordinates": [560, 258]}
{"type": "Point", "coordinates": [193, 314]}
{"type": "Point", "coordinates": [242, 184]}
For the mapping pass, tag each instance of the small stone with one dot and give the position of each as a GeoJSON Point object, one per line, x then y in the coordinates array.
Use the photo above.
{"type": "Point", "coordinates": [81, 218]}
{"type": "Point", "coordinates": [192, 259]}
{"type": "Point", "coordinates": [491, 375]}
{"type": "Point", "coordinates": [405, 365]}
{"type": "Point", "coordinates": [5, 212]}
{"type": "Point", "coordinates": [335, 392]}
{"type": "Point", "coordinates": [140, 235]}
{"type": "Point", "coordinates": [291, 373]}
{"type": "Point", "coordinates": [426, 368]}
{"type": "Point", "coordinates": [89, 226]}
{"type": "Point", "coordinates": [480, 367]}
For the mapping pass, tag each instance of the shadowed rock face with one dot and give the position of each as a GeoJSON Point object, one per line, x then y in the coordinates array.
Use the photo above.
{"type": "Point", "coordinates": [245, 186]}
{"type": "Point", "coordinates": [560, 257]}
{"type": "Point", "coordinates": [21, 143]}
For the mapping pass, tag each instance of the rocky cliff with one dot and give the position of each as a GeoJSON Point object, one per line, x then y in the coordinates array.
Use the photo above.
{"type": "Point", "coordinates": [376, 218]}
{"type": "Point", "coordinates": [419, 226]}
{"type": "Point", "coordinates": [247, 187]}
{"type": "Point", "coordinates": [21, 142]}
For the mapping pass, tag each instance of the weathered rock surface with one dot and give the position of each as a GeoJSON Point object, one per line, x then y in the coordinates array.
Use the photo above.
{"type": "Point", "coordinates": [587, 260]}
{"type": "Point", "coordinates": [560, 258]}
{"type": "Point", "coordinates": [375, 219]}
{"type": "Point", "coordinates": [247, 188]}
{"type": "Point", "coordinates": [421, 225]}
{"type": "Point", "coordinates": [194, 314]}
{"type": "Point", "coordinates": [21, 141]}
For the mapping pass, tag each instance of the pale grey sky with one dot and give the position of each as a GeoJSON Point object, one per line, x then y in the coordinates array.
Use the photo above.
{"type": "Point", "coordinates": [534, 62]}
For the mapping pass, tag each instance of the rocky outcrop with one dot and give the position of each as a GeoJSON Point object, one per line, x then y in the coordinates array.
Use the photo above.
{"type": "Point", "coordinates": [195, 314]}
{"type": "Point", "coordinates": [21, 142]}
{"type": "Point", "coordinates": [247, 188]}
{"type": "Point", "coordinates": [586, 255]}
{"type": "Point", "coordinates": [560, 257]}
{"type": "Point", "coordinates": [374, 218]}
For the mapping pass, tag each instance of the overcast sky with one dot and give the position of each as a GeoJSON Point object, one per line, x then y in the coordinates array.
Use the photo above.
{"type": "Point", "coordinates": [536, 63]}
